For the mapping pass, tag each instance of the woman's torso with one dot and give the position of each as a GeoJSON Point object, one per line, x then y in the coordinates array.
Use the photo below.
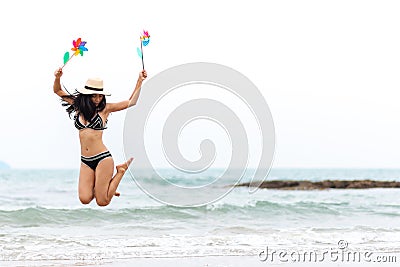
{"type": "Point", "coordinates": [91, 140]}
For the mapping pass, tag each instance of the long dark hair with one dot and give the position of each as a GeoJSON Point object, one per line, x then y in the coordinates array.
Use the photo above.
{"type": "Point", "coordinates": [82, 104]}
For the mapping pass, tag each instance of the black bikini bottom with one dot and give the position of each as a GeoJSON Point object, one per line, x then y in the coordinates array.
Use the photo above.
{"type": "Point", "coordinates": [93, 161]}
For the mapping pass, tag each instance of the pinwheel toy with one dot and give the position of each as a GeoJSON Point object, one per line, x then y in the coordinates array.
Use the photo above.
{"type": "Point", "coordinates": [79, 48]}
{"type": "Point", "coordinates": [144, 41]}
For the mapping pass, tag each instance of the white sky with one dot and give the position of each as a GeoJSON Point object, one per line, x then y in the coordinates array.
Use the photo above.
{"type": "Point", "coordinates": [329, 71]}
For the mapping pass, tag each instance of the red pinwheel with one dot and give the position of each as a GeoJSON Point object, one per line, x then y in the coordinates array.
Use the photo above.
{"type": "Point", "coordinates": [79, 48]}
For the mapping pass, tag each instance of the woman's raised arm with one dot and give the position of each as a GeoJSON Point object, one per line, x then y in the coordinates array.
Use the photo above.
{"type": "Point", "coordinates": [112, 107]}
{"type": "Point", "coordinates": [57, 86]}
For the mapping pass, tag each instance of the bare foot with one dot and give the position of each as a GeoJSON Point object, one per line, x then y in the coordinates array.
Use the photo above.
{"type": "Point", "coordinates": [124, 166]}
{"type": "Point", "coordinates": [122, 169]}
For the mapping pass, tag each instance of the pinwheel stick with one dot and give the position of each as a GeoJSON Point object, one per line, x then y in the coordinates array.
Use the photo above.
{"type": "Point", "coordinates": [141, 49]}
{"type": "Point", "coordinates": [67, 61]}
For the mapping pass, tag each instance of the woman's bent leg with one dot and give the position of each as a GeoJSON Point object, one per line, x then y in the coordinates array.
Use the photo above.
{"type": "Point", "coordinates": [86, 184]}
{"type": "Point", "coordinates": [105, 184]}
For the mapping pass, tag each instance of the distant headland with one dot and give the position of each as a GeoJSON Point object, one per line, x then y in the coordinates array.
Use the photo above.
{"type": "Point", "coordinates": [326, 184]}
{"type": "Point", "coordinates": [4, 165]}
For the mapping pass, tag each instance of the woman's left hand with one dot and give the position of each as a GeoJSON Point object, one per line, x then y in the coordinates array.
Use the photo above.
{"type": "Point", "coordinates": [142, 75]}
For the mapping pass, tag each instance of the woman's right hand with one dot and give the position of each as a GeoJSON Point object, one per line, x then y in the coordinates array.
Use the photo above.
{"type": "Point", "coordinates": [58, 73]}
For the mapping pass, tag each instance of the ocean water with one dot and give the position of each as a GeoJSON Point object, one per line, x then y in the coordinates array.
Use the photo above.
{"type": "Point", "coordinates": [42, 219]}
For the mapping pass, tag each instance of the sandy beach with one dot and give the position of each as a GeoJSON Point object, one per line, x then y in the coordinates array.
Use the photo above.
{"type": "Point", "coordinates": [204, 261]}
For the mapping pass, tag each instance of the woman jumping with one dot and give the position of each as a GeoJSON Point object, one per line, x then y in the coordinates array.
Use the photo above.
{"type": "Point", "coordinates": [90, 114]}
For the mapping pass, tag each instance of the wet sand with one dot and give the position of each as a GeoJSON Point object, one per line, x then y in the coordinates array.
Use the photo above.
{"type": "Point", "coordinates": [201, 261]}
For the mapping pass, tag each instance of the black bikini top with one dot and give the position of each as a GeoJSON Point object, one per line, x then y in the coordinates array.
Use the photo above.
{"type": "Point", "coordinates": [96, 123]}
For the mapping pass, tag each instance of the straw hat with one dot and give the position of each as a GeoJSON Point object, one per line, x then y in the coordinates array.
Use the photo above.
{"type": "Point", "coordinates": [93, 86]}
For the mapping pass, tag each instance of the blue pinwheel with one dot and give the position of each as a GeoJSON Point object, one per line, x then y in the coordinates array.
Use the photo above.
{"type": "Point", "coordinates": [144, 41]}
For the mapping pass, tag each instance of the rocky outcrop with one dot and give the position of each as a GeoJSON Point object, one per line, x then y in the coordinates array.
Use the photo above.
{"type": "Point", "coordinates": [326, 184]}
{"type": "Point", "coordinates": [4, 165]}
